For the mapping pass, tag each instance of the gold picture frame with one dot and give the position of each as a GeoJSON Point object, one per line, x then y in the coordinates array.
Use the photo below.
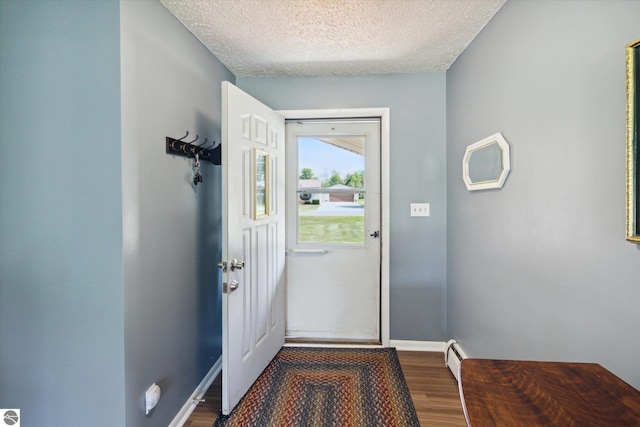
{"type": "Point", "coordinates": [261, 187]}
{"type": "Point", "coordinates": [633, 167]}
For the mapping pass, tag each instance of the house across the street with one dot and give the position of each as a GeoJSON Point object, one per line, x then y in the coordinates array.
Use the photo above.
{"type": "Point", "coordinates": [325, 197]}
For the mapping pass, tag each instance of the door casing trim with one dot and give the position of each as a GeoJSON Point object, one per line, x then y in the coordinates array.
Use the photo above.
{"type": "Point", "coordinates": [383, 114]}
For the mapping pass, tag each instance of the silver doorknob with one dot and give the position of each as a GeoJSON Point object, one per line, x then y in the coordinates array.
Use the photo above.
{"type": "Point", "coordinates": [236, 265]}
{"type": "Point", "coordinates": [228, 288]}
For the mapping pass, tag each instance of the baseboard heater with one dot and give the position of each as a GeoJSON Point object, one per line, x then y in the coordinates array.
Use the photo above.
{"type": "Point", "coordinates": [453, 356]}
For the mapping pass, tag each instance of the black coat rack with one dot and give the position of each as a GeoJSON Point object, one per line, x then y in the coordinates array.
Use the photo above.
{"type": "Point", "coordinates": [179, 147]}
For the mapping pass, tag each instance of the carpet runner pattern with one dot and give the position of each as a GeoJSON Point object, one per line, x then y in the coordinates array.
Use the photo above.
{"type": "Point", "coordinates": [319, 387]}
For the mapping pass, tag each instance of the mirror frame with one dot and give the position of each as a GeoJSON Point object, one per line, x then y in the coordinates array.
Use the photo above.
{"type": "Point", "coordinates": [633, 105]}
{"type": "Point", "coordinates": [506, 163]}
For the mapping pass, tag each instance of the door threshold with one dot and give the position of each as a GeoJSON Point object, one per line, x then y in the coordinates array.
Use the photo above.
{"type": "Point", "coordinates": [330, 342]}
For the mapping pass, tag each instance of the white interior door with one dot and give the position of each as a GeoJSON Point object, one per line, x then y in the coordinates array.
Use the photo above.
{"type": "Point", "coordinates": [333, 230]}
{"type": "Point", "coordinates": [253, 310]}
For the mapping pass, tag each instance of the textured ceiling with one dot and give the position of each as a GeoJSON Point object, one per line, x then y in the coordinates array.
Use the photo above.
{"type": "Point", "coordinates": [330, 37]}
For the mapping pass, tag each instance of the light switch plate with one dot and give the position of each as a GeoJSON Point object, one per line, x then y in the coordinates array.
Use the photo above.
{"type": "Point", "coordinates": [419, 209]}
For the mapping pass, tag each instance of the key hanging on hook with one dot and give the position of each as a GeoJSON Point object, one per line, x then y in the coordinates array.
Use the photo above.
{"type": "Point", "coordinates": [198, 176]}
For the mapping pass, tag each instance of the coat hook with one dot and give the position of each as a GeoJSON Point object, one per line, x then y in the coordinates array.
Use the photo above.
{"type": "Point", "coordinates": [198, 147]}
{"type": "Point", "coordinates": [191, 142]}
{"type": "Point", "coordinates": [178, 140]}
{"type": "Point", "coordinates": [208, 150]}
{"type": "Point", "coordinates": [186, 147]}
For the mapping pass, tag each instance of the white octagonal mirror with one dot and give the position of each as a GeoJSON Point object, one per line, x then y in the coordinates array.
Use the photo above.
{"type": "Point", "coordinates": [486, 163]}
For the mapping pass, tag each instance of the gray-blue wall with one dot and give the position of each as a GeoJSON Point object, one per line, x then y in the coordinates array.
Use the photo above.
{"type": "Point", "coordinates": [170, 84]}
{"type": "Point", "coordinates": [107, 251]}
{"type": "Point", "coordinates": [418, 245]}
{"type": "Point", "coordinates": [61, 275]}
{"type": "Point", "coordinates": [541, 268]}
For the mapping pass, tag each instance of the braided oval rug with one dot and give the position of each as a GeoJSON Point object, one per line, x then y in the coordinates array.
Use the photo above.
{"type": "Point", "coordinates": [327, 387]}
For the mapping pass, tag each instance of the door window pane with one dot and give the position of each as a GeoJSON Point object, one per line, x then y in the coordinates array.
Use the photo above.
{"type": "Point", "coordinates": [331, 189]}
{"type": "Point", "coordinates": [261, 167]}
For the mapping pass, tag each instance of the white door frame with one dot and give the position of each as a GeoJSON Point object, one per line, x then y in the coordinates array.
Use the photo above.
{"type": "Point", "coordinates": [383, 113]}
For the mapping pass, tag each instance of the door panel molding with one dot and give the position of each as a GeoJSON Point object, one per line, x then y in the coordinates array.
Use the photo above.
{"type": "Point", "coordinates": [384, 115]}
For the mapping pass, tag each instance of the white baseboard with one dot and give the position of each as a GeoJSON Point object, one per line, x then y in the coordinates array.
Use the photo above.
{"type": "Point", "coordinates": [435, 346]}
{"type": "Point", "coordinates": [183, 415]}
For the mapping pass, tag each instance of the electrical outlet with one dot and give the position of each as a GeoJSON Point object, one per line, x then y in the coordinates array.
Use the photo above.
{"type": "Point", "coordinates": [419, 209]}
{"type": "Point", "coordinates": [152, 396]}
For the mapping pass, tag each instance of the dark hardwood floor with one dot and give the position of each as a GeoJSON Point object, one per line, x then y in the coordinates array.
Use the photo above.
{"type": "Point", "coordinates": [206, 412]}
{"type": "Point", "coordinates": [433, 389]}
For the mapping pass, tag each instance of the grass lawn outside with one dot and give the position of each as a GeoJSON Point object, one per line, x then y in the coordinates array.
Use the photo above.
{"type": "Point", "coordinates": [307, 208]}
{"type": "Point", "coordinates": [331, 229]}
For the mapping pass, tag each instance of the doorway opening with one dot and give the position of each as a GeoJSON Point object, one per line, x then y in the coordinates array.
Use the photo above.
{"type": "Point", "coordinates": [337, 226]}
{"type": "Point", "coordinates": [254, 233]}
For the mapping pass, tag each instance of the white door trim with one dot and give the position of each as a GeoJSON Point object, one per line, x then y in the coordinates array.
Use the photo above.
{"type": "Point", "coordinates": [384, 114]}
